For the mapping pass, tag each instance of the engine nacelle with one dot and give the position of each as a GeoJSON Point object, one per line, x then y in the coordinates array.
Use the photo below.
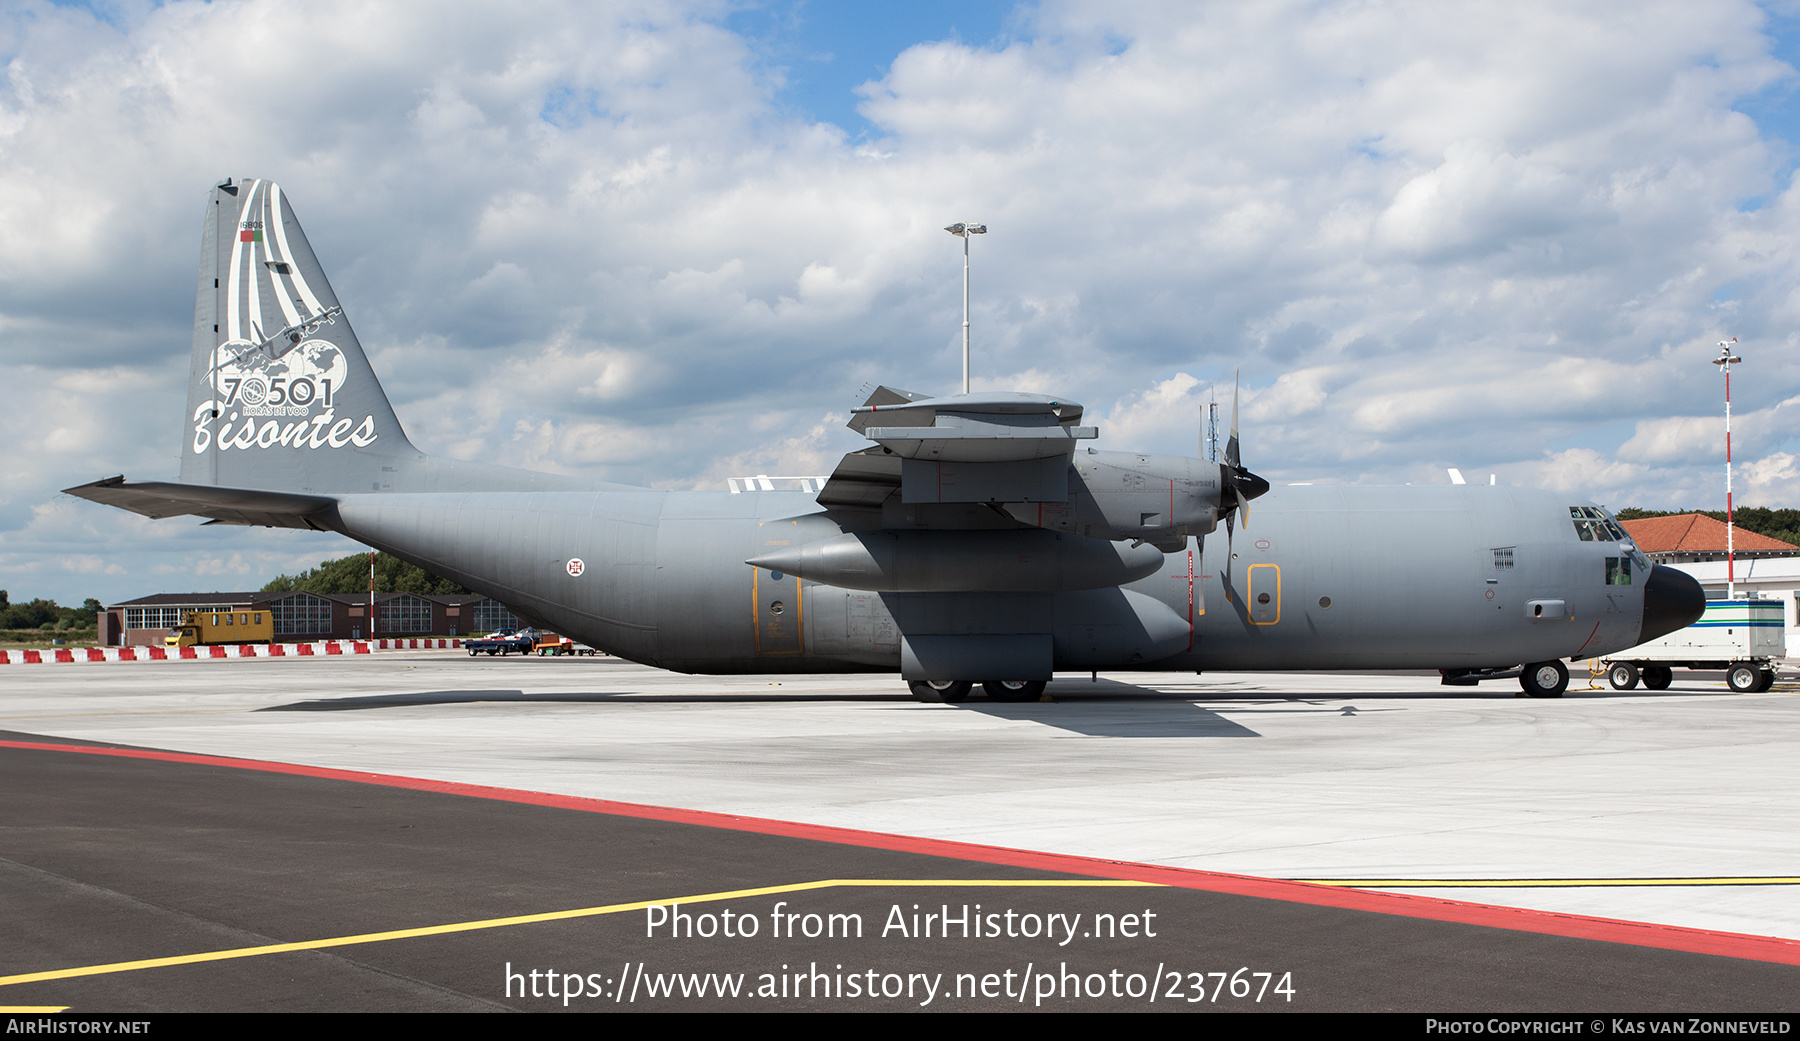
{"type": "Point", "coordinates": [1159, 499]}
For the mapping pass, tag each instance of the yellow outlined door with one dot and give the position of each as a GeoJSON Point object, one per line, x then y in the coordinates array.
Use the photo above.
{"type": "Point", "coordinates": [777, 608]}
{"type": "Point", "coordinates": [1265, 594]}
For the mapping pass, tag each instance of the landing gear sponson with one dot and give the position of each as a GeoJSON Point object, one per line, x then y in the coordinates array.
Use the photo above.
{"type": "Point", "coordinates": [1544, 679]}
{"type": "Point", "coordinates": [953, 691]}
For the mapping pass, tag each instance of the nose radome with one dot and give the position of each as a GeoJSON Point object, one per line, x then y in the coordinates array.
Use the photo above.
{"type": "Point", "coordinates": [1672, 600]}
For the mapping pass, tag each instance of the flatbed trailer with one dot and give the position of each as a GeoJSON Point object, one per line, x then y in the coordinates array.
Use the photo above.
{"type": "Point", "coordinates": [522, 642]}
{"type": "Point", "coordinates": [1747, 638]}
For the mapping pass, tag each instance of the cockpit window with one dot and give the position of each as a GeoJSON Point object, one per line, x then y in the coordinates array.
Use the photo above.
{"type": "Point", "coordinates": [1593, 525]}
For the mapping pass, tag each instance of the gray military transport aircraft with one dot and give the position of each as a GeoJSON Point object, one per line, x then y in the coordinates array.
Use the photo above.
{"type": "Point", "coordinates": [973, 542]}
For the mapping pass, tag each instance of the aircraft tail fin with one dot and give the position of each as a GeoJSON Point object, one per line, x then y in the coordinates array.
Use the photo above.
{"type": "Point", "coordinates": [280, 394]}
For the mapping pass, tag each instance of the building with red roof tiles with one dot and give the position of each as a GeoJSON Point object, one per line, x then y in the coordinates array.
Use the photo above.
{"type": "Point", "coordinates": [1694, 537]}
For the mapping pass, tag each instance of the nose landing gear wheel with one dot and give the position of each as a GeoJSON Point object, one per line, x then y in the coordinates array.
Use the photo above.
{"type": "Point", "coordinates": [1014, 690]}
{"type": "Point", "coordinates": [948, 691]}
{"type": "Point", "coordinates": [1545, 679]}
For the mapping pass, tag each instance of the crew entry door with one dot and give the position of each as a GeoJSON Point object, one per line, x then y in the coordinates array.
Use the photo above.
{"type": "Point", "coordinates": [1265, 594]}
{"type": "Point", "coordinates": [777, 606]}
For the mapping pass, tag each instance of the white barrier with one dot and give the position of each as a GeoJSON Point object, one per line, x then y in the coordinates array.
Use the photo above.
{"type": "Point", "coordinates": [72, 655]}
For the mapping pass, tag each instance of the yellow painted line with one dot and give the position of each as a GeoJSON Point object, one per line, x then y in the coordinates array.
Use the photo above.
{"type": "Point", "coordinates": [1545, 883]}
{"type": "Point", "coordinates": [34, 1008]}
{"type": "Point", "coordinates": [554, 916]}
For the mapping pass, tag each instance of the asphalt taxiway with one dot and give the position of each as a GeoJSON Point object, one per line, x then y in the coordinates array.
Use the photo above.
{"type": "Point", "coordinates": [1674, 808]}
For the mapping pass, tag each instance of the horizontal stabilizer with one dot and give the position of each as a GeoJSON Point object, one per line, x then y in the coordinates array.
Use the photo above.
{"type": "Point", "coordinates": [159, 499]}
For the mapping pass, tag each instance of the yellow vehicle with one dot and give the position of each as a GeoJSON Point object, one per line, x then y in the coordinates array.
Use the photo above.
{"type": "Point", "coordinates": [199, 628]}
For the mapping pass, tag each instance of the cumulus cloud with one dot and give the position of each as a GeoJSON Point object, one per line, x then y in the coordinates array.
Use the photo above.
{"type": "Point", "coordinates": [593, 239]}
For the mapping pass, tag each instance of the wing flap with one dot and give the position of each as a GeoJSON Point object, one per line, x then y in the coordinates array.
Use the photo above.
{"type": "Point", "coordinates": [862, 479]}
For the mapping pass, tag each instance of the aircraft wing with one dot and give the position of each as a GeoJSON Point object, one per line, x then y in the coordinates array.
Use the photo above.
{"type": "Point", "coordinates": [966, 448]}
{"type": "Point", "coordinates": [159, 499]}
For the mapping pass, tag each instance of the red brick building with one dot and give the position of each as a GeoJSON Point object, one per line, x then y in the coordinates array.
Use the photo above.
{"type": "Point", "coordinates": [302, 617]}
{"type": "Point", "coordinates": [1688, 538]}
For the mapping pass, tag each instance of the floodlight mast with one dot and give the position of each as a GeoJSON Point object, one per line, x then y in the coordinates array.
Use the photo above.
{"type": "Point", "coordinates": [962, 230]}
{"type": "Point", "coordinates": [1725, 361]}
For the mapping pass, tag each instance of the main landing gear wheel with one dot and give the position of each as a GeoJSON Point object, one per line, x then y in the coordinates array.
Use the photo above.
{"type": "Point", "coordinates": [1545, 679]}
{"type": "Point", "coordinates": [1742, 677]}
{"type": "Point", "coordinates": [947, 691]}
{"type": "Point", "coordinates": [1658, 677]}
{"type": "Point", "coordinates": [1014, 690]}
{"type": "Point", "coordinates": [1623, 676]}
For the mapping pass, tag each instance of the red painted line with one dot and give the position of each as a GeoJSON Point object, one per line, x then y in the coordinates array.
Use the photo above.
{"type": "Point", "coordinates": [1589, 640]}
{"type": "Point", "coordinates": [1581, 927]}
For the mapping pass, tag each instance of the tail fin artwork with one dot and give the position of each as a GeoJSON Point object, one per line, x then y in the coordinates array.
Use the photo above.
{"type": "Point", "coordinates": [284, 415]}
{"type": "Point", "coordinates": [280, 394]}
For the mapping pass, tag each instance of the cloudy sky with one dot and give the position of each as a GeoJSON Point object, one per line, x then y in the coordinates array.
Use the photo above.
{"type": "Point", "coordinates": [668, 243]}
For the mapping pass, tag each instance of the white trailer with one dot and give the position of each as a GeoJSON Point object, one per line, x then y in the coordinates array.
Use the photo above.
{"type": "Point", "coordinates": [1745, 638]}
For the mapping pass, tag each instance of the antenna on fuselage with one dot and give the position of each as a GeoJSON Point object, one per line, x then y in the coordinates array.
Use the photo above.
{"type": "Point", "coordinates": [1210, 451]}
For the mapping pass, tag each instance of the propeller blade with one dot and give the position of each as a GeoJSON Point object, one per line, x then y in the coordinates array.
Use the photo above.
{"type": "Point", "coordinates": [1231, 446]}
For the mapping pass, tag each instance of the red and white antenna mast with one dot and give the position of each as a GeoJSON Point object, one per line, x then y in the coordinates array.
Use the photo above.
{"type": "Point", "coordinates": [1725, 361]}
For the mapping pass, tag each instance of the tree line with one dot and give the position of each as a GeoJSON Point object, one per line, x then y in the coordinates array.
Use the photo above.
{"type": "Point", "coordinates": [351, 575]}
{"type": "Point", "coordinates": [47, 614]}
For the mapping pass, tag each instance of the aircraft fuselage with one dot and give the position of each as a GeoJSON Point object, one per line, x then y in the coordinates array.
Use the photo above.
{"type": "Point", "coordinates": [1328, 578]}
